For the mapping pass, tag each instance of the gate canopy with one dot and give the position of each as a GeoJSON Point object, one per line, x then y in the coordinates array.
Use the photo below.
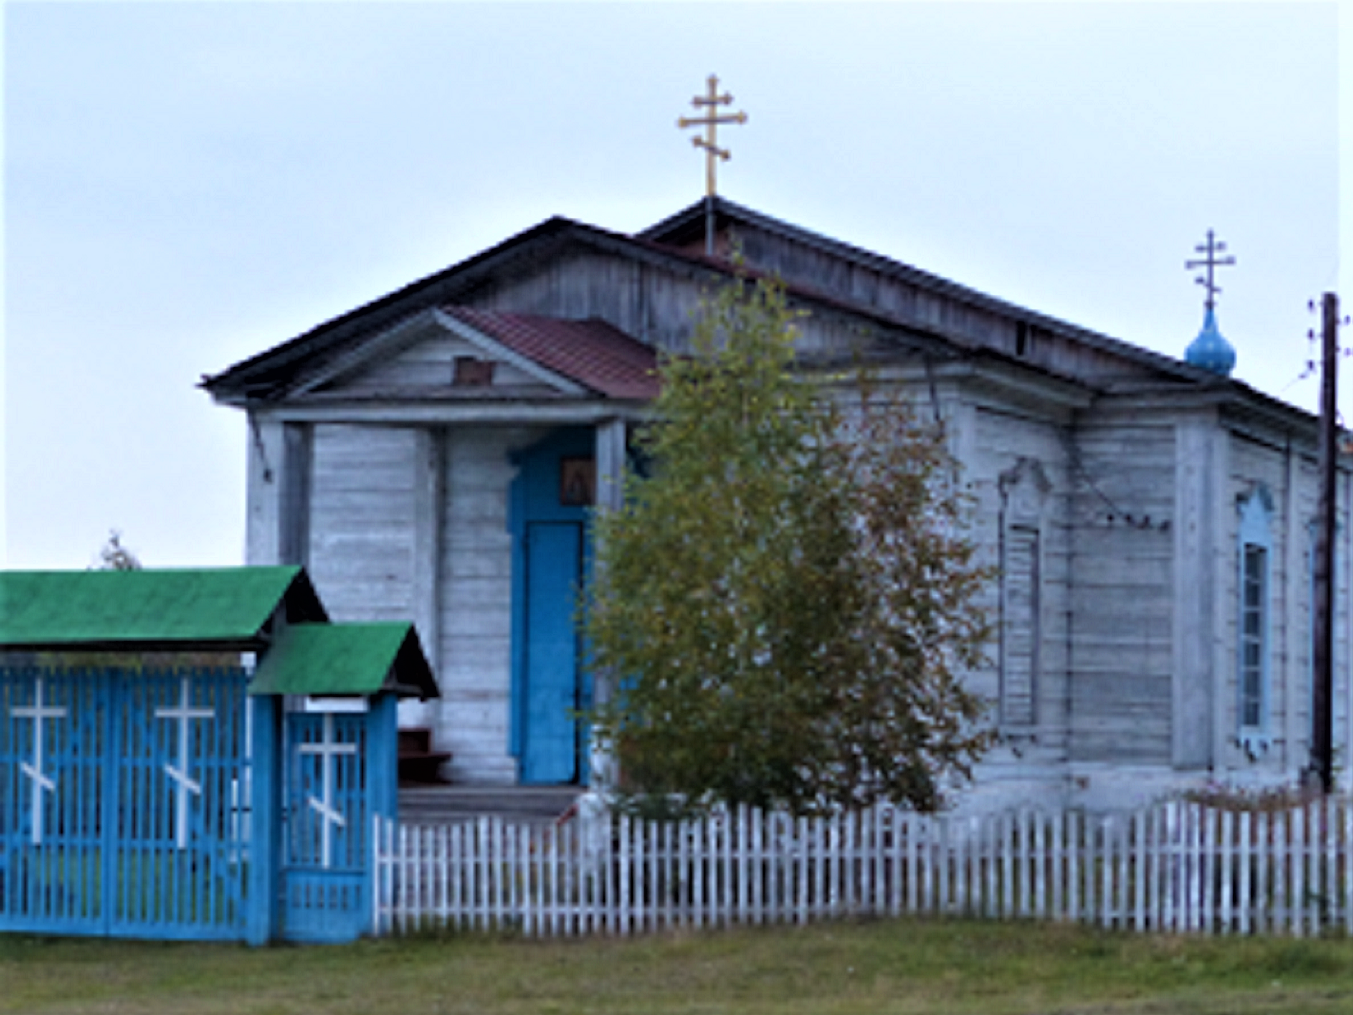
{"type": "Point", "coordinates": [153, 610]}
{"type": "Point", "coordinates": [346, 659]}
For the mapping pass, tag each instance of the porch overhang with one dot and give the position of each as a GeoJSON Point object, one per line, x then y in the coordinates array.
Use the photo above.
{"type": "Point", "coordinates": [432, 412]}
{"type": "Point", "coordinates": [346, 660]}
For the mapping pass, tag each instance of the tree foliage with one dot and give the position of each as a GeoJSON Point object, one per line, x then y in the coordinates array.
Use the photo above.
{"type": "Point", "coordinates": [788, 601]}
{"type": "Point", "coordinates": [114, 556]}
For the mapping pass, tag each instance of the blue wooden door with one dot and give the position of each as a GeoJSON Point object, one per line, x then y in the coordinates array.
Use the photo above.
{"type": "Point", "coordinates": [553, 687]}
{"type": "Point", "coordinates": [122, 803]}
{"type": "Point", "coordinates": [550, 502]}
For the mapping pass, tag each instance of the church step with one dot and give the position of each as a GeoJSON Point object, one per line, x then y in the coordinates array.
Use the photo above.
{"type": "Point", "coordinates": [430, 805]}
{"type": "Point", "coordinates": [419, 764]}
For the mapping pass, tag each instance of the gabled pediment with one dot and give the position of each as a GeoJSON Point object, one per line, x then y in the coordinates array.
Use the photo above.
{"type": "Point", "coordinates": [462, 353]}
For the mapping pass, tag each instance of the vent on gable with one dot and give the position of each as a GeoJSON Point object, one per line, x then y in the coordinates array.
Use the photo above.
{"type": "Point", "coordinates": [473, 373]}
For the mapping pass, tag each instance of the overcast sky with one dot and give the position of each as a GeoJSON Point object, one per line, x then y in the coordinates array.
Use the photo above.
{"type": "Point", "coordinates": [187, 184]}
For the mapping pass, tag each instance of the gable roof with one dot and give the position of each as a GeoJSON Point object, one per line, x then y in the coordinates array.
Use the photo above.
{"type": "Point", "coordinates": [269, 374]}
{"type": "Point", "coordinates": [941, 319]}
{"type": "Point", "coordinates": [346, 659]}
{"type": "Point", "coordinates": [151, 609]}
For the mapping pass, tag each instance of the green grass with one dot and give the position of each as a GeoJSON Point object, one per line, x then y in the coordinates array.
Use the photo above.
{"type": "Point", "coordinates": [939, 967]}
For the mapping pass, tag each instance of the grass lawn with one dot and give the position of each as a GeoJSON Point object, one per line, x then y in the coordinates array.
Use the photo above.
{"type": "Point", "coordinates": [904, 966]}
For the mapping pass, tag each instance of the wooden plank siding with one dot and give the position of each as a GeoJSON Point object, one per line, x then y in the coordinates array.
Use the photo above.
{"type": "Point", "coordinates": [652, 306]}
{"type": "Point", "coordinates": [1121, 631]}
{"type": "Point", "coordinates": [432, 363]}
{"type": "Point", "coordinates": [1289, 474]}
{"type": "Point", "coordinates": [476, 573]}
{"type": "Point", "coordinates": [1003, 443]}
{"type": "Point", "coordinates": [944, 308]}
{"type": "Point", "coordinates": [655, 307]}
{"type": "Point", "coordinates": [363, 520]}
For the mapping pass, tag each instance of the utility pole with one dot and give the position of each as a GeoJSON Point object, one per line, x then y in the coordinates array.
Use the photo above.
{"type": "Point", "coordinates": [1322, 697]}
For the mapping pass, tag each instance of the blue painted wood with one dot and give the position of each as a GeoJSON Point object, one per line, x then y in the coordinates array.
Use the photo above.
{"type": "Point", "coordinates": [534, 499]}
{"type": "Point", "coordinates": [120, 806]}
{"type": "Point", "coordinates": [326, 879]}
{"type": "Point", "coordinates": [552, 688]}
{"type": "Point", "coordinates": [382, 787]}
{"type": "Point", "coordinates": [260, 826]}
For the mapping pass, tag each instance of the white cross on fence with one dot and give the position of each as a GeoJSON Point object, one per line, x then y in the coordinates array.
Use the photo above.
{"type": "Point", "coordinates": [38, 712]}
{"type": "Point", "coordinates": [327, 749]}
{"type": "Point", "coordinates": [184, 714]}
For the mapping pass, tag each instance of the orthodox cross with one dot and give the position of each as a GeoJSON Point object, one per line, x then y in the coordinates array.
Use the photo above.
{"type": "Point", "coordinates": [1211, 249]}
{"type": "Point", "coordinates": [710, 121]}
{"type": "Point", "coordinates": [328, 748]}
{"type": "Point", "coordinates": [183, 713]}
{"type": "Point", "coordinates": [38, 712]}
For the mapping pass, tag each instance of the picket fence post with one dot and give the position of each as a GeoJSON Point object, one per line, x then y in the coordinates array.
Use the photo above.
{"type": "Point", "coordinates": [1177, 866]}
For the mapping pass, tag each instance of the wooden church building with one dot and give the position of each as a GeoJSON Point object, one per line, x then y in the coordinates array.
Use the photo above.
{"type": "Point", "coordinates": [434, 455]}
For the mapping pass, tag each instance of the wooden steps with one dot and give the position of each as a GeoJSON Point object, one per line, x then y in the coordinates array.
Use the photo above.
{"type": "Point", "coordinates": [419, 764]}
{"type": "Point", "coordinates": [439, 805]}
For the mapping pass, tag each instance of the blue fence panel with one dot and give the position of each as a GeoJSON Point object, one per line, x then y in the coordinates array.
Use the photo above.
{"type": "Point", "coordinates": [122, 803]}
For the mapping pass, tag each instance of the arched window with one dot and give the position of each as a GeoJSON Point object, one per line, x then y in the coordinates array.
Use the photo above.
{"type": "Point", "coordinates": [1024, 491]}
{"type": "Point", "coordinates": [1255, 556]}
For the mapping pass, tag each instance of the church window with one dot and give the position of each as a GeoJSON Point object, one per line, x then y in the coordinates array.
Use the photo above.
{"type": "Point", "coordinates": [1020, 631]}
{"type": "Point", "coordinates": [1255, 553]}
{"type": "Point", "coordinates": [1252, 630]}
{"type": "Point", "coordinates": [1024, 493]}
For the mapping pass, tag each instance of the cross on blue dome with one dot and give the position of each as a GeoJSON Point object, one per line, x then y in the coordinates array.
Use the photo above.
{"type": "Point", "coordinates": [1210, 350]}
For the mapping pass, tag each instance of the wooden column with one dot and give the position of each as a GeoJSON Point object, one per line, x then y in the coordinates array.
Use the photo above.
{"type": "Point", "coordinates": [293, 521]}
{"type": "Point", "coordinates": [263, 491]}
{"type": "Point", "coordinates": [1195, 702]}
{"type": "Point", "coordinates": [611, 437]}
{"type": "Point", "coordinates": [278, 492]}
{"type": "Point", "coordinates": [429, 490]}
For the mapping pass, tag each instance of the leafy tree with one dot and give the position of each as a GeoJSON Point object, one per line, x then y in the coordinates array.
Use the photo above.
{"type": "Point", "coordinates": [789, 598]}
{"type": "Point", "coordinates": [113, 556]}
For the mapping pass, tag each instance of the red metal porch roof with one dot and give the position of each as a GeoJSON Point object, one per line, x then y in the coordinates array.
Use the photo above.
{"type": "Point", "coordinates": [591, 352]}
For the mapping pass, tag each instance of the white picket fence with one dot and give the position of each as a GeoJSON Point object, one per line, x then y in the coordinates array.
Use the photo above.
{"type": "Point", "coordinates": [1174, 867]}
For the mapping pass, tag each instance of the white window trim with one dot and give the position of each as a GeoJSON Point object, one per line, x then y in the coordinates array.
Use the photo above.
{"type": "Point", "coordinates": [1255, 533]}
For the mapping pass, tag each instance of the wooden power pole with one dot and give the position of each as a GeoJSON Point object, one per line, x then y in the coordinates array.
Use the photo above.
{"type": "Point", "coordinates": [1322, 698]}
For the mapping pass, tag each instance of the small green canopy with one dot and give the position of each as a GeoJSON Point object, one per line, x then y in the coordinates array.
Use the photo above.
{"type": "Point", "coordinates": [346, 659]}
{"type": "Point", "coordinates": [197, 608]}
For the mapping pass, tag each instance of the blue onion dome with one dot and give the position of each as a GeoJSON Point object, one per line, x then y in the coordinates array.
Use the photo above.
{"type": "Point", "coordinates": [1210, 351]}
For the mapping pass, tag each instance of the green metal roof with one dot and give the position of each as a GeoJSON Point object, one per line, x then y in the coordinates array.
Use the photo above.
{"type": "Point", "coordinates": [345, 659]}
{"type": "Point", "coordinates": [150, 609]}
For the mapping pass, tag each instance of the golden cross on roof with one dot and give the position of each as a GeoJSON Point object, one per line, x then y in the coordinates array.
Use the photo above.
{"type": "Point", "coordinates": [710, 121]}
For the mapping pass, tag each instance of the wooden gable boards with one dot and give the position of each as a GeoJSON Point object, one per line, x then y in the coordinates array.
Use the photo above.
{"type": "Point", "coordinates": [851, 294]}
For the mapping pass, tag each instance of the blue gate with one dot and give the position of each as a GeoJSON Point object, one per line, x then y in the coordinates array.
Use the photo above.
{"type": "Point", "coordinates": [123, 803]}
{"type": "Point", "coordinates": [329, 791]}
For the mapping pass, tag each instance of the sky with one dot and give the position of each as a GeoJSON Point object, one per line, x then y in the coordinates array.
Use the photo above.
{"type": "Point", "coordinates": [190, 183]}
